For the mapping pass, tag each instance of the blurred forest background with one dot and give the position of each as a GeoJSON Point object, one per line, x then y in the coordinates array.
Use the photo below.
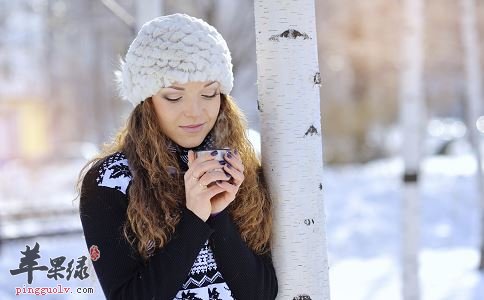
{"type": "Point", "coordinates": [58, 97]}
{"type": "Point", "coordinates": [59, 104]}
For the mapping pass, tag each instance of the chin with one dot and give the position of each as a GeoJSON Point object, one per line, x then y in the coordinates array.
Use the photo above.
{"type": "Point", "coordinates": [192, 143]}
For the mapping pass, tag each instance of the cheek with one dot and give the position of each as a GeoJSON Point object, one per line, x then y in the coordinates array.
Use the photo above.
{"type": "Point", "coordinates": [166, 115]}
{"type": "Point", "coordinates": [166, 112]}
{"type": "Point", "coordinates": [214, 109]}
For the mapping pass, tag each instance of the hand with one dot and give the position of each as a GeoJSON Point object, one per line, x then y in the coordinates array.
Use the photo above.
{"type": "Point", "coordinates": [235, 168]}
{"type": "Point", "coordinates": [197, 178]}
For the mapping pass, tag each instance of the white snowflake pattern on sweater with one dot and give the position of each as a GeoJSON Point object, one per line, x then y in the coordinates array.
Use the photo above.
{"type": "Point", "coordinates": [115, 173]}
{"type": "Point", "coordinates": [204, 282]}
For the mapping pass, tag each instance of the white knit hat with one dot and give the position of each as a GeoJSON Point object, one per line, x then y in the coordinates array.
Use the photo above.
{"type": "Point", "coordinates": [173, 48]}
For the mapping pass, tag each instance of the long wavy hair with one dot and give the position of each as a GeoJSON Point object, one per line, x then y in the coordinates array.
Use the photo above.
{"type": "Point", "coordinates": [155, 195]}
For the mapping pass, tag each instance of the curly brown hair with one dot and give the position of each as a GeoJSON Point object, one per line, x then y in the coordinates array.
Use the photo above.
{"type": "Point", "coordinates": [155, 196]}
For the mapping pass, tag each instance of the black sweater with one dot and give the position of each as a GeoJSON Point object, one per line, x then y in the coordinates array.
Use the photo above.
{"type": "Point", "coordinates": [203, 260]}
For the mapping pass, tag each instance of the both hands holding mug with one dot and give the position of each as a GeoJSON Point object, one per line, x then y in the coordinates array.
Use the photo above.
{"type": "Point", "coordinates": [208, 189]}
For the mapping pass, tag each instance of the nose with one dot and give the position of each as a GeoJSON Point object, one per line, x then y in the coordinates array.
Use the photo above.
{"type": "Point", "coordinates": [193, 108]}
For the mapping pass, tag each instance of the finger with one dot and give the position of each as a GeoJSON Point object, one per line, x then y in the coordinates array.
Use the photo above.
{"type": "Point", "coordinates": [190, 157]}
{"type": "Point", "coordinates": [237, 154]}
{"type": "Point", "coordinates": [234, 161]}
{"type": "Point", "coordinates": [212, 191]}
{"type": "Point", "coordinates": [206, 172]}
{"type": "Point", "coordinates": [235, 167]}
{"type": "Point", "coordinates": [200, 158]}
{"type": "Point", "coordinates": [236, 174]}
{"type": "Point", "coordinates": [207, 166]}
{"type": "Point", "coordinates": [189, 176]}
{"type": "Point", "coordinates": [212, 176]}
{"type": "Point", "coordinates": [232, 189]}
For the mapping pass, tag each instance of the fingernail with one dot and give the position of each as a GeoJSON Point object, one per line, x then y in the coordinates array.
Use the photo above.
{"type": "Point", "coordinates": [229, 155]}
{"type": "Point", "coordinates": [214, 152]}
{"type": "Point", "coordinates": [229, 165]}
{"type": "Point", "coordinates": [222, 162]}
{"type": "Point", "coordinates": [228, 175]}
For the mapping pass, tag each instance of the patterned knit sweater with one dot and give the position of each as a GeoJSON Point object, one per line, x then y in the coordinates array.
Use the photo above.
{"type": "Point", "coordinates": [203, 260]}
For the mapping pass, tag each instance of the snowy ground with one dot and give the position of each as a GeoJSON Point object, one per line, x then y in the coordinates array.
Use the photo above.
{"type": "Point", "coordinates": [363, 227]}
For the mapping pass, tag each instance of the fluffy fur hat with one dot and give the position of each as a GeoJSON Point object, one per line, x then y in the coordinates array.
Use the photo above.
{"type": "Point", "coordinates": [173, 48]}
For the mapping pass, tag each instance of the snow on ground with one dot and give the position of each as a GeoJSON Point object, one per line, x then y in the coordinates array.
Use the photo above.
{"type": "Point", "coordinates": [363, 228]}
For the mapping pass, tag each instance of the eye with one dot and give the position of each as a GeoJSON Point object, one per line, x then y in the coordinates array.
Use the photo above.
{"type": "Point", "coordinates": [172, 100]}
{"type": "Point", "coordinates": [212, 96]}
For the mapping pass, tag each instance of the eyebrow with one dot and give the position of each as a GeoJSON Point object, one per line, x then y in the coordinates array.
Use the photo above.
{"type": "Point", "coordinates": [182, 89]}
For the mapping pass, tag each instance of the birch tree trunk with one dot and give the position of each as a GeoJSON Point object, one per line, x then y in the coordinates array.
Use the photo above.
{"type": "Point", "coordinates": [474, 95]}
{"type": "Point", "coordinates": [411, 118]}
{"type": "Point", "coordinates": [288, 90]}
{"type": "Point", "coordinates": [147, 10]}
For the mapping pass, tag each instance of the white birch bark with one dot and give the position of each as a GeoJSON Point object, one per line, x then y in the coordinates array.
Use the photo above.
{"type": "Point", "coordinates": [147, 10]}
{"type": "Point", "coordinates": [291, 142]}
{"type": "Point", "coordinates": [474, 95]}
{"type": "Point", "coordinates": [411, 117]}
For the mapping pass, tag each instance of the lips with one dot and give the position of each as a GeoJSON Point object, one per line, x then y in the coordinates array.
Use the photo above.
{"type": "Point", "coordinates": [193, 129]}
{"type": "Point", "coordinates": [192, 126]}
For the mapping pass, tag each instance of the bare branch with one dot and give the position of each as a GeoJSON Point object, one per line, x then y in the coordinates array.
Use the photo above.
{"type": "Point", "coordinates": [120, 12]}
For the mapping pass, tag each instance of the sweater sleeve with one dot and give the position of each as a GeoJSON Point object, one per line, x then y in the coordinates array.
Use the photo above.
{"type": "Point", "coordinates": [249, 276]}
{"type": "Point", "coordinates": [120, 270]}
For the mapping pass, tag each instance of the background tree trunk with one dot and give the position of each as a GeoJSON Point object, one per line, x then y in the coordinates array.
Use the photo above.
{"type": "Point", "coordinates": [474, 95]}
{"type": "Point", "coordinates": [412, 123]}
{"type": "Point", "coordinates": [291, 141]}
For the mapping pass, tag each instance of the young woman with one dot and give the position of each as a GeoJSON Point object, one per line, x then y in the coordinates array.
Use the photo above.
{"type": "Point", "coordinates": [159, 222]}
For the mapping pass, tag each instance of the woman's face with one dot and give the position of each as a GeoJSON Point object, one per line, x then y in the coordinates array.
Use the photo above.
{"type": "Point", "coordinates": [189, 104]}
